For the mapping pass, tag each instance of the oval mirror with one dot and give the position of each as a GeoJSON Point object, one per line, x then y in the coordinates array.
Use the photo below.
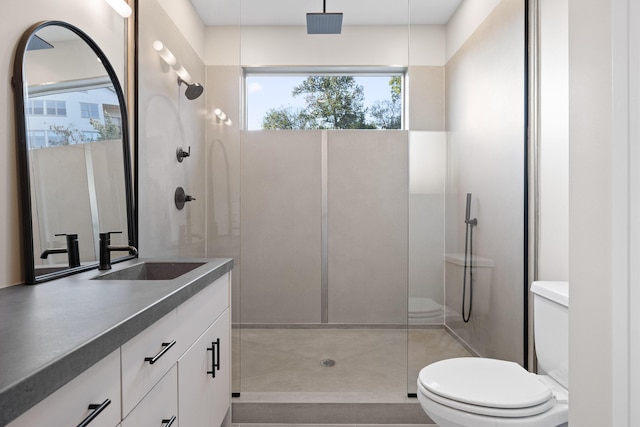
{"type": "Point", "coordinates": [73, 152]}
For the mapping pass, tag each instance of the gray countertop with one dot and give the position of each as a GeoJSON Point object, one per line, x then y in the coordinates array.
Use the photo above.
{"type": "Point", "coordinates": [52, 332]}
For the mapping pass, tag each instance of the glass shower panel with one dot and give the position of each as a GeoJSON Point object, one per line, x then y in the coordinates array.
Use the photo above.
{"type": "Point", "coordinates": [485, 100]}
{"type": "Point", "coordinates": [222, 157]}
{"type": "Point", "coordinates": [427, 340]}
{"type": "Point", "coordinates": [478, 135]}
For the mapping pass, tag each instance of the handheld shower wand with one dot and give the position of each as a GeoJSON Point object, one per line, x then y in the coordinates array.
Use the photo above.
{"type": "Point", "coordinates": [467, 218]}
{"type": "Point", "coordinates": [468, 248]}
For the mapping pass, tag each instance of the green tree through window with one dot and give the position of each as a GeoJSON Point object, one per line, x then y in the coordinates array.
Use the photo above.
{"type": "Point", "coordinates": [337, 102]}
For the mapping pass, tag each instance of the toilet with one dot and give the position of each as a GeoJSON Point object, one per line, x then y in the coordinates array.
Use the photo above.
{"type": "Point", "coordinates": [424, 311]}
{"type": "Point", "coordinates": [482, 392]}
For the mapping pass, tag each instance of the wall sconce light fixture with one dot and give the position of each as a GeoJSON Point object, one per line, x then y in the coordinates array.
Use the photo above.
{"type": "Point", "coordinates": [171, 60]}
{"type": "Point", "coordinates": [120, 6]}
{"type": "Point", "coordinates": [222, 117]}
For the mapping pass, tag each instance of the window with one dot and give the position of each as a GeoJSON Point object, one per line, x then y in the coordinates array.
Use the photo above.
{"type": "Point", "coordinates": [89, 111]}
{"type": "Point", "coordinates": [91, 136]}
{"type": "Point", "coordinates": [37, 139]}
{"type": "Point", "coordinates": [327, 100]}
{"type": "Point", "coordinates": [47, 108]}
{"type": "Point", "coordinates": [55, 139]}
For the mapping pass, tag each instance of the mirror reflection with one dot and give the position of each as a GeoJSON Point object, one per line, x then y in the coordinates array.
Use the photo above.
{"type": "Point", "coordinates": [76, 153]}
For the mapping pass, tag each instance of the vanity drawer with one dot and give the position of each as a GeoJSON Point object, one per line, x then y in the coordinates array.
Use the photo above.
{"type": "Point", "coordinates": [146, 358]}
{"type": "Point", "coordinates": [159, 407]}
{"type": "Point", "coordinates": [198, 313]}
{"type": "Point", "coordinates": [69, 406]}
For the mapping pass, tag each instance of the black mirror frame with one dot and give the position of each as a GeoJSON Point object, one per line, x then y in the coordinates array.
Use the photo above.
{"type": "Point", "coordinates": [17, 83]}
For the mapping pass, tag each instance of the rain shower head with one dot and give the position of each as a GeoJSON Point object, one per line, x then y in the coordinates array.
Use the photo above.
{"type": "Point", "coordinates": [193, 91]}
{"type": "Point", "coordinates": [324, 23]}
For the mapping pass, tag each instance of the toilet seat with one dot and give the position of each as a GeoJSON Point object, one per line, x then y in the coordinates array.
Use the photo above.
{"type": "Point", "coordinates": [486, 410]}
{"type": "Point", "coordinates": [488, 387]}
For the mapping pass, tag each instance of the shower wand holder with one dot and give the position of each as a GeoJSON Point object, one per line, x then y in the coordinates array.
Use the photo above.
{"type": "Point", "coordinates": [472, 222]}
{"type": "Point", "coordinates": [181, 198]}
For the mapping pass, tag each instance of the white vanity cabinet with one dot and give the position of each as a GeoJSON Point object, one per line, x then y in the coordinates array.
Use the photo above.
{"type": "Point", "coordinates": [200, 329]}
{"type": "Point", "coordinates": [162, 377]}
{"type": "Point", "coordinates": [93, 397]}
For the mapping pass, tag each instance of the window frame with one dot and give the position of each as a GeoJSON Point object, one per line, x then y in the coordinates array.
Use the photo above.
{"type": "Point", "coordinates": [325, 71]}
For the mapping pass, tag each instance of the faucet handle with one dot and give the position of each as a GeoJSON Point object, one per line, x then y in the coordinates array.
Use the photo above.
{"type": "Point", "coordinates": [73, 252]}
{"type": "Point", "coordinates": [107, 234]}
{"type": "Point", "coordinates": [181, 154]}
{"type": "Point", "coordinates": [70, 235]}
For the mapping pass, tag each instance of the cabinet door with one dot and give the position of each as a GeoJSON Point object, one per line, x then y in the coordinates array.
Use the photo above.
{"type": "Point", "coordinates": [69, 406]}
{"type": "Point", "coordinates": [204, 377]}
{"type": "Point", "coordinates": [159, 408]}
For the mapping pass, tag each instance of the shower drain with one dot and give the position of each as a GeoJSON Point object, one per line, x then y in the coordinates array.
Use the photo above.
{"type": "Point", "coordinates": [327, 363]}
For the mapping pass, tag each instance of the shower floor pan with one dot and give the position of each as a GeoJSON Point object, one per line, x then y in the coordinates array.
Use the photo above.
{"type": "Point", "coordinates": [285, 377]}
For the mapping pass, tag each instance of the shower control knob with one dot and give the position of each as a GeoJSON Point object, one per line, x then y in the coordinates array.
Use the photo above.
{"type": "Point", "coordinates": [181, 198]}
{"type": "Point", "coordinates": [181, 154]}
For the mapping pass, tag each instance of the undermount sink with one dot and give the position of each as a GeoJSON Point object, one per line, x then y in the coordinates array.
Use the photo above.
{"type": "Point", "coordinates": [151, 271]}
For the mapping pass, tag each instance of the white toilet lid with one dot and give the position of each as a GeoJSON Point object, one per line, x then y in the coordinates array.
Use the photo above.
{"type": "Point", "coordinates": [485, 382]}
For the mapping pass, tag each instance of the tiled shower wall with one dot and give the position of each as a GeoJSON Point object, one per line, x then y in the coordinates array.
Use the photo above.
{"type": "Point", "coordinates": [167, 119]}
{"type": "Point", "coordinates": [282, 224]}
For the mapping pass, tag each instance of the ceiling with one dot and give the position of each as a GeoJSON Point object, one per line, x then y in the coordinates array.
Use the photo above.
{"type": "Point", "coordinates": [293, 12]}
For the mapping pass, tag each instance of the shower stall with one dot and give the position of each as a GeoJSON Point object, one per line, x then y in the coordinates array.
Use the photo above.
{"type": "Point", "coordinates": [349, 244]}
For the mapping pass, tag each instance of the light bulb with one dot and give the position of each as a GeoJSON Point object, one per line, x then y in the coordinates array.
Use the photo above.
{"type": "Point", "coordinates": [164, 53]}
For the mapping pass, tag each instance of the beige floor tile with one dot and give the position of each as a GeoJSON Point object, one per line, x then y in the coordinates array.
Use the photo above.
{"type": "Point", "coordinates": [367, 360]}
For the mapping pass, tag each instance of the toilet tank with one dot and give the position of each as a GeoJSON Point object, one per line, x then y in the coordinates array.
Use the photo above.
{"type": "Point", "coordinates": [551, 329]}
{"type": "Point", "coordinates": [482, 283]}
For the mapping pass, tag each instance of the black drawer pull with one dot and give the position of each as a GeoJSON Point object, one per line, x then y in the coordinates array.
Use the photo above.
{"type": "Point", "coordinates": [96, 411]}
{"type": "Point", "coordinates": [165, 347]}
{"type": "Point", "coordinates": [215, 357]}
{"type": "Point", "coordinates": [169, 422]}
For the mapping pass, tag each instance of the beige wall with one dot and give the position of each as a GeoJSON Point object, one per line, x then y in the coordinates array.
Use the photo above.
{"type": "Point", "coordinates": [280, 223]}
{"type": "Point", "coordinates": [463, 23]}
{"type": "Point", "coordinates": [168, 120]}
{"type": "Point", "coordinates": [554, 141]}
{"type": "Point", "coordinates": [590, 213]}
{"type": "Point", "coordinates": [367, 226]}
{"type": "Point", "coordinates": [485, 124]}
{"type": "Point", "coordinates": [357, 45]}
{"type": "Point", "coordinates": [107, 29]}
{"type": "Point", "coordinates": [222, 181]}
{"type": "Point", "coordinates": [281, 226]}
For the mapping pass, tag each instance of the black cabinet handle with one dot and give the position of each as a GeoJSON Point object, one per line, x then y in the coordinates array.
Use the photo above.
{"type": "Point", "coordinates": [165, 347]}
{"type": "Point", "coordinates": [96, 411]}
{"type": "Point", "coordinates": [215, 357]}
{"type": "Point", "coordinates": [169, 422]}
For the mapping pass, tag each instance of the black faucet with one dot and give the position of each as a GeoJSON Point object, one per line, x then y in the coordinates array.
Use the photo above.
{"type": "Point", "coordinates": [106, 248]}
{"type": "Point", "coordinates": [72, 250]}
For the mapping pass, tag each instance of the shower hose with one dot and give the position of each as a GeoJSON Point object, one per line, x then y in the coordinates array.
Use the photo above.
{"type": "Point", "coordinates": [468, 249]}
